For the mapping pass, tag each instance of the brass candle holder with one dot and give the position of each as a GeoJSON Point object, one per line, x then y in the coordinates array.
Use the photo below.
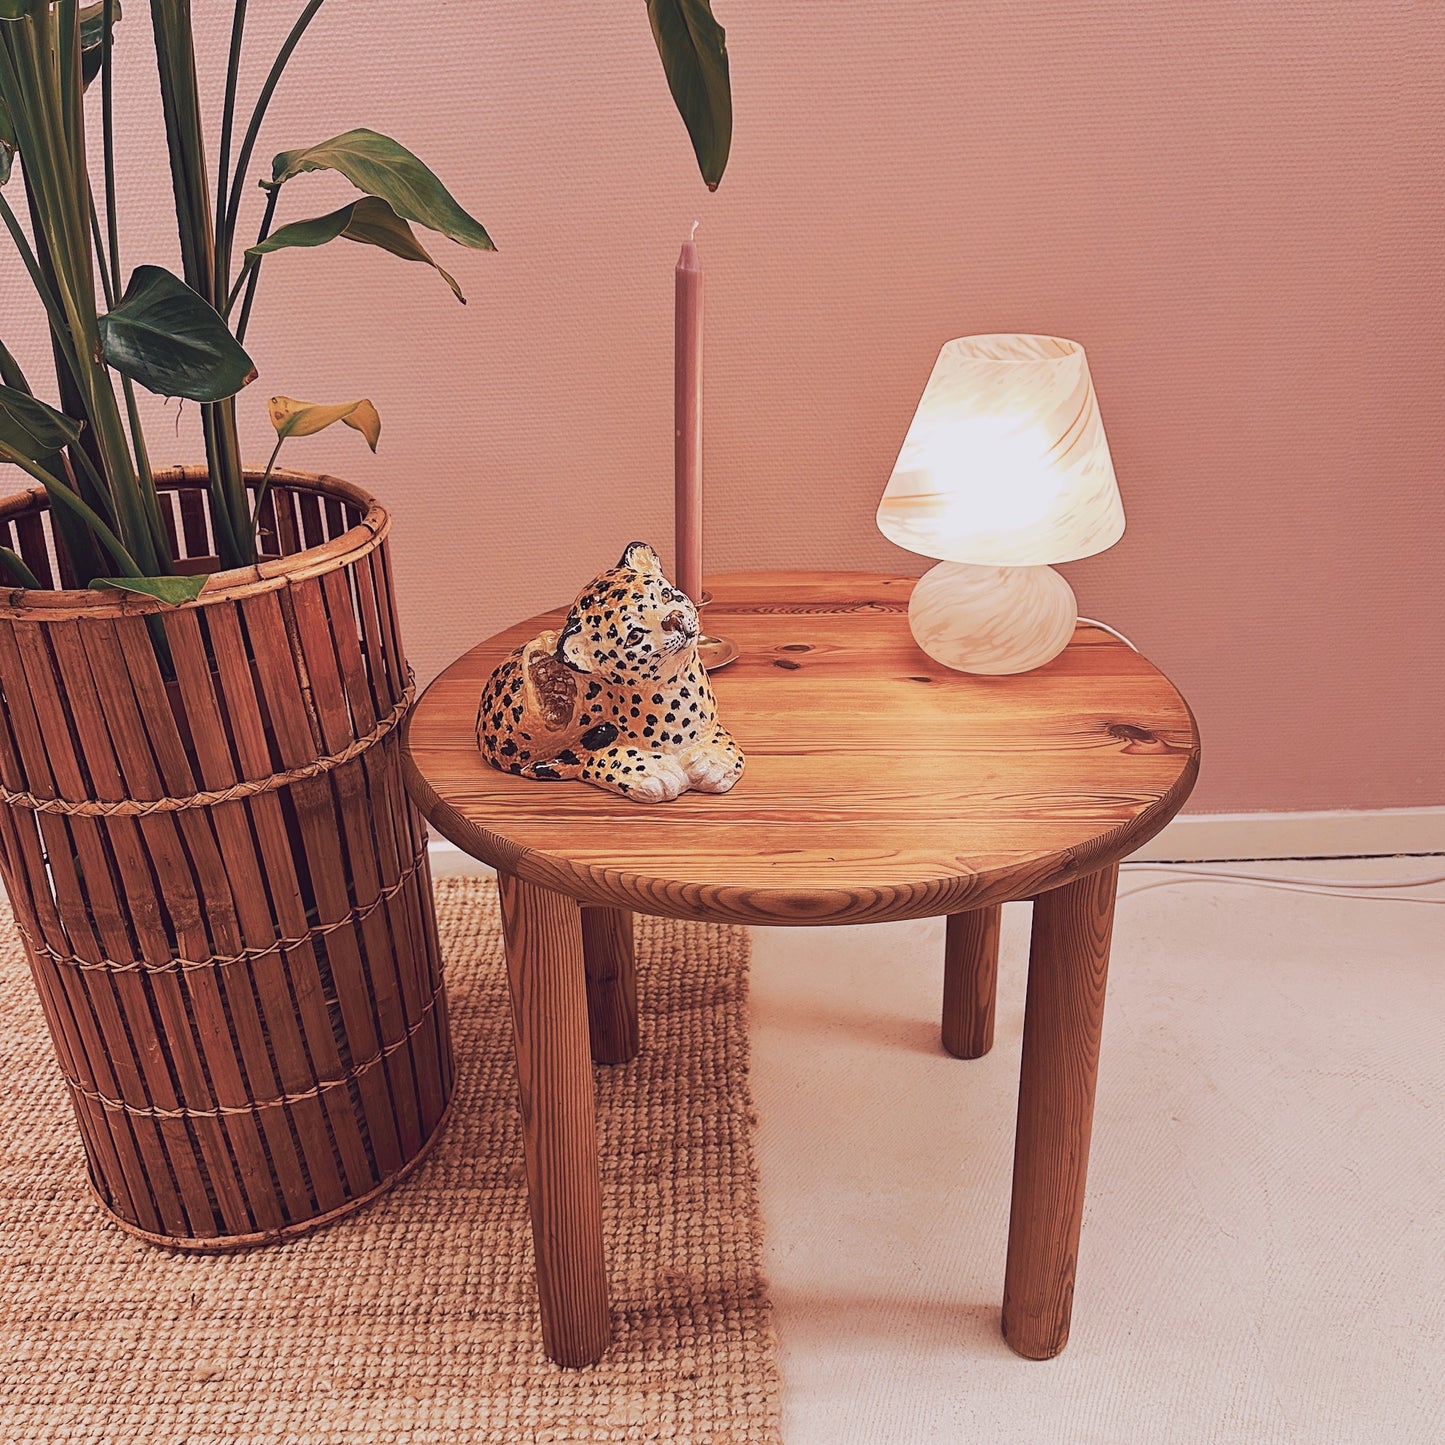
{"type": "Point", "coordinates": [713, 652]}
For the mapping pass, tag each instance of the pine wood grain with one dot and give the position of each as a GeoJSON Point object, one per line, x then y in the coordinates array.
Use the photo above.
{"type": "Point", "coordinates": [611, 984]}
{"type": "Point", "coordinates": [1063, 1016]}
{"type": "Point", "coordinates": [545, 972]}
{"type": "Point", "coordinates": [878, 784]}
{"type": "Point", "coordinates": [970, 982]}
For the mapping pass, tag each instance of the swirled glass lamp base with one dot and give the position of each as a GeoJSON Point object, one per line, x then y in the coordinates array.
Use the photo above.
{"type": "Point", "coordinates": [992, 620]}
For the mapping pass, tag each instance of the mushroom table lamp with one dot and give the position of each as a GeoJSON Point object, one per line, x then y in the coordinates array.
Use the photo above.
{"type": "Point", "coordinates": [1004, 470]}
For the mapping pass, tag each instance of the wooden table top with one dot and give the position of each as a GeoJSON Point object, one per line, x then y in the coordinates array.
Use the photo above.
{"type": "Point", "coordinates": [879, 784]}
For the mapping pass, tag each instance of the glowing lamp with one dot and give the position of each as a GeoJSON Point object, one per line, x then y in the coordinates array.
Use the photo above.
{"type": "Point", "coordinates": [1004, 470]}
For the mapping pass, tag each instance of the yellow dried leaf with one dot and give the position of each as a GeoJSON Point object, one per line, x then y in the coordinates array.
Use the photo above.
{"type": "Point", "coordinates": [293, 418]}
{"type": "Point", "coordinates": [367, 420]}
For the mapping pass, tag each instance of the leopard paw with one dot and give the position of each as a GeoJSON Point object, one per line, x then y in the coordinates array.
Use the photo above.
{"type": "Point", "coordinates": [711, 770]}
{"type": "Point", "coordinates": [664, 779]}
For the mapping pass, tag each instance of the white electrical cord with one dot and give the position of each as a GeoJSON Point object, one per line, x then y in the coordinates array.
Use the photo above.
{"type": "Point", "coordinates": [1104, 627]}
{"type": "Point", "coordinates": [1329, 887]}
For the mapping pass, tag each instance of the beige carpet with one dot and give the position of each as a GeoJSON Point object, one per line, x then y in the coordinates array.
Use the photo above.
{"type": "Point", "coordinates": [413, 1321]}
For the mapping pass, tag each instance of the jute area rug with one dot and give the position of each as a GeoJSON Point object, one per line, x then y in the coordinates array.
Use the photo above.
{"type": "Point", "coordinates": [413, 1321]}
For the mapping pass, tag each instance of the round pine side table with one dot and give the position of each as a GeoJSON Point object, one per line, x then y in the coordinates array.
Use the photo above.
{"type": "Point", "coordinates": [879, 785]}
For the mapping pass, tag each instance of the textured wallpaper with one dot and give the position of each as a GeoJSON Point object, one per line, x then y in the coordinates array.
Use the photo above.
{"type": "Point", "coordinates": [1236, 207]}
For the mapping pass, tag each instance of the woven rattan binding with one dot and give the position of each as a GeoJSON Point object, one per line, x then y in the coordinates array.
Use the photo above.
{"type": "Point", "coordinates": [350, 919]}
{"type": "Point", "coordinates": [152, 1111]}
{"type": "Point", "coordinates": [248, 788]}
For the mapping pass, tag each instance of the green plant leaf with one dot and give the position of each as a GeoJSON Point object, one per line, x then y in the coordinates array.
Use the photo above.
{"type": "Point", "coordinates": [92, 38]}
{"type": "Point", "coordinates": [379, 166]}
{"type": "Point", "coordinates": [694, 52]}
{"type": "Point", "coordinates": [92, 22]}
{"type": "Point", "coordinates": [15, 564]}
{"type": "Point", "coordinates": [32, 429]}
{"type": "Point", "coordinates": [7, 142]}
{"type": "Point", "coordinates": [369, 220]}
{"type": "Point", "coordinates": [165, 336]}
{"type": "Point", "coordinates": [293, 418]}
{"type": "Point", "coordinates": [174, 590]}
{"type": "Point", "coordinates": [10, 372]}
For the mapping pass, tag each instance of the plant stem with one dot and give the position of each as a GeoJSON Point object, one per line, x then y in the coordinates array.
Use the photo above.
{"type": "Point", "coordinates": [143, 467]}
{"type": "Point", "coordinates": [58, 327]}
{"type": "Point", "coordinates": [107, 289]}
{"type": "Point", "coordinates": [251, 262]}
{"type": "Point", "coordinates": [227, 545]}
{"type": "Point", "coordinates": [67, 66]}
{"type": "Point", "coordinates": [61, 219]}
{"type": "Point", "coordinates": [265, 483]}
{"type": "Point", "coordinates": [241, 277]}
{"type": "Point", "coordinates": [107, 103]}
{"type": "Point", "coordinates": [72, 99]}
{"type": "Point", "coordinates": [180, 91]}
{"type": "Point", "coordinates": [83, 472]}
{"type": "Point", "coordinates": [73, 543]}
{"type": "Point", "coordinates": [224, 234]}
{"type": "Point", "coordinates": [65, 347]}
{"type": "Point", "coordinates": [248, 144]}
{"type": "Point", "coordinates": [273, 194]}
{"type": "Point", "coordinates": [59, 492]}
{"type": "Point", "coordinates": [45, 109]}
{"type": "Point", "coordinates": [240, 520]}
{"type": "Point", "coordinates": [112, 221]}
{"type": "Point", "coordinates": [180, 96]}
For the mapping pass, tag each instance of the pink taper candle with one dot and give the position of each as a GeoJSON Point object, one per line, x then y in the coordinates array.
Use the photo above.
{"type": "Point", "coordinates": [687, 419]}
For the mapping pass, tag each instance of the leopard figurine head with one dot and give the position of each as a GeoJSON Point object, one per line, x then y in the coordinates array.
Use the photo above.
{"type": "Point", "coordinates": [616, 697]}
{"type": "Point", "coordinates": [630, 622]}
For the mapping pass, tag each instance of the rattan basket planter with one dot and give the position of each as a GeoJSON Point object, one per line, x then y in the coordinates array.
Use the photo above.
{"type": "Point", "coordinates": [221, 884]}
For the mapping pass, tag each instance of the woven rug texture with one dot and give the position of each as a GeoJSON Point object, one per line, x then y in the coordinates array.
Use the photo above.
{"type": "Point", "coordinates": [413, 1321]}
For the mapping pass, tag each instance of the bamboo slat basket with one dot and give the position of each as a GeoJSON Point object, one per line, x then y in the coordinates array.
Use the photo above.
{"type": "Point", "coordinates": [221, 884]}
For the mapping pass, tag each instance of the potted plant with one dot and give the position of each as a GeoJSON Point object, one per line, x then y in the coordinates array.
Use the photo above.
{"type": "Point", "coordinates": [221, 885]}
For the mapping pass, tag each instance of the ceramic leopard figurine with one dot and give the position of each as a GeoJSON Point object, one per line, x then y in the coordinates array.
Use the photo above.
{"type": "Point", "coordinates": [617, 698]}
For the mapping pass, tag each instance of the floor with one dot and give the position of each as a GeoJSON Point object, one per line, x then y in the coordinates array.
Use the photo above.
{"type": "Point", "coordinates": [1263, 1254]}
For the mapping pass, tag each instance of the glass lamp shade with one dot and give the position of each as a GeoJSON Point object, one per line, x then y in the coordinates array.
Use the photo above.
{"type": "Point", "coordinates": [1005, 463]}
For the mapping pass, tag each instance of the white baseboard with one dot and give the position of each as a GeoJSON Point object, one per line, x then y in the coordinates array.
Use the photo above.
{"type": "Point", "coordinates": [448, 861]}
{"type": "Point", "coordinates": [1199, 837]}
{"type": "Point", "coordinates": [1377, 832]}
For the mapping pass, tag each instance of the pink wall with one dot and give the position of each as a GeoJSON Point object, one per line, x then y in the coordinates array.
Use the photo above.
{"type": "Point", "coordinates": [1236, 206]}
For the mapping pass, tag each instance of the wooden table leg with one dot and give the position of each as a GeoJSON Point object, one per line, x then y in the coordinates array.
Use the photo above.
{"type": "Point", "coordinates": [554, 1075]}
{"type": "Point", "coordinates": [970, 981]}
{"type": "Point", "coordinates": [611, 984]}
{"type": "Point", "coordinates": [1068, 966]}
